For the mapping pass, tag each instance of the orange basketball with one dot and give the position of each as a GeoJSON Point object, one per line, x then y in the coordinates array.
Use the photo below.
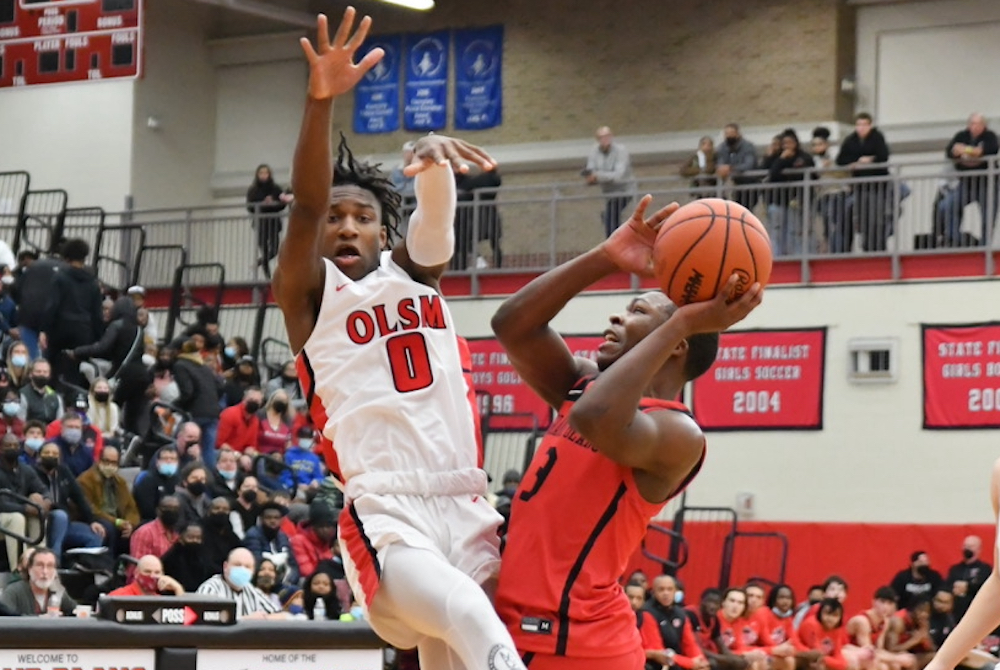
{"type": "Point", "coordinates": [705, 242]}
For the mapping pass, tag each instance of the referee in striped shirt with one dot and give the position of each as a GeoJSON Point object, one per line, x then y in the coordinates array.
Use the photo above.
{"type": "Point", "coordinates": [235, 584]}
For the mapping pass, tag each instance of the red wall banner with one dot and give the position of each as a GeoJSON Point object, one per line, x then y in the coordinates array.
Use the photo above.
{"type": "Point", "coordinates": [763, 380]}
{"type": "Point", "coordinates": [962, 376]}
{"type": "Point", "coordinates": [493, 373]}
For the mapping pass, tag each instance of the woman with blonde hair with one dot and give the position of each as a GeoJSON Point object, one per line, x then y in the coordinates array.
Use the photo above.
{"type": "Point", "coordinates": [103, 412]}
{"type": "Point", "coordinates": [17, 364]}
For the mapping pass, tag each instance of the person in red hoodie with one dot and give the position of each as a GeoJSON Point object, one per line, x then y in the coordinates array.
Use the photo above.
{"type": "Point", "coordinates": [771, 624]}
{"type": "Point", "coordinates": [734, 629]}
{"type": "Point", "coordinates": [820, 639]}
{"type": "Point", "coordinates": [239, 425]}
{"type": "Point", "coordinates": [317, 537]}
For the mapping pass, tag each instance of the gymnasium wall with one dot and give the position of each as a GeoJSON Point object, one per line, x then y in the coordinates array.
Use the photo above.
{"type": "Point", "coordinates": [872, 462]}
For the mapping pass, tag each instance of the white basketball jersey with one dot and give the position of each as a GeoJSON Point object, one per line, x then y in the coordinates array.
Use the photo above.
{"type": "Point", "coordinates": [383, 361]}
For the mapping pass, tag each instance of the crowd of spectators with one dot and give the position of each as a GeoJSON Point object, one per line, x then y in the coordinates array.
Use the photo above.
{"type": "Point", "coordinates": [758, 626]}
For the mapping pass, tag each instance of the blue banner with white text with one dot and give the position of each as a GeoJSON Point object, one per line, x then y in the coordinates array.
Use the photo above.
{"type": "Point", "coordinates": [376, 97]}
{"type": "Point", "coordinates": [426, 88]}
{"type": "Point", "coordinates": [478, 81]}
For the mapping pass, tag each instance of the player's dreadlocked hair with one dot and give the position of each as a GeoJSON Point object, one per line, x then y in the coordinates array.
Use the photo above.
{"type": "Point", "coordinates": [347, 170]}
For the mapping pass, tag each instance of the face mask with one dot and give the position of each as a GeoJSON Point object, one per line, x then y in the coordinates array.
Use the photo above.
{"type": "Point", "coordinates": [249, 496]}
{"type": "Point", "coordinates": [239, 576]}
{"type": "Point", "coordinates": [251, 406]}
{"type": "Point", "coordinates": [33, 443]}
{"type": "Point", "coordinates": [357, 612]}
{"type": "Point", "coordinates": [19, 360]}
{"type": "Point", "coordinates": [295, 609]}
{"type": "Point", "coordinates": [732, 141]}
{"type": "Point", "coordinates": [167, 469]}
{"type": "Point", "coordinates": [924, 570]}
{"type": "Point", "coordinates": [11, 408]}
{"type": "Point", "coordinates": [306, 444]}
{"type": "Point", "coordinates": [147, 583]}
{"type": "Point", "coordinates": [170, 517]}
{"type": "Point", "coordinates": [967, 554]}
{"type": "Point", "coordinates": [230, 352]}
{"type": "Point", "coordinates": [102, 396]}
{"type": "Point", "coordinates": [49, 462]}
{"type": "Point", "coordinates": [7, 280]}
{"type": "Point", "coordinates": [108, 471]}
{"type": "Point", "coordinates": [678, 597]}
{"type": "Point", "coordinates": [280, 407]}
{"type": "Point", "coordinates": [72, 435]}
{"type": "Point", "coordinates": [228, 475]}
{"type": "Point", "coordinates": [269, 533]}
{"type": "Point", "coordinates": [288, 378]}
{"type": "Point", "coordinates": [196, 488]}
{"type": "Point", "coordinates": [10, 456]}
{"type": "Point", "coordinates": [217, 520]}
{"type": "Point", "coordinates": [39, 381]}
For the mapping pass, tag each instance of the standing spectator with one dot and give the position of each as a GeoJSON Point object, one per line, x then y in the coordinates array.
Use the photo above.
{"type": "Point", "coordinates": [288, 380]}
{"type": "Point", "coordinates": [872, 201]}
{"type": "Point", "coordinates": [33, 293]}
{"type": "Point", "coordinates": [185, 560]}
{"type": "Point", "coordinates": [109, 498]}
{"type": "Point", "coordinates": [831, 199]}
{"type": "Point", "coordinates": [18, 358]}
{"type": "Point", "coordinates": [193, 491]}
{"type": "Point", "coordinates": [77, 455]}
{"type": "Point", "coordinates": [267, 541]}
{"type": "Point", "coordinates": [199, 396]}
{"type": "Point", "coordinates": [971, 149]}
{"type": "Point", "coordinates": [610, 166]}
{"type": "Point", "coordinates": [968, 575]}
{"type": "Point", "coordinates": [735, 158]}
{"type": "Point", "coordinates": [304, 467]}
{"type": "Point", "coordinates": [784, 211]}
{"type": "Point", "coordinates": [478, 218]}
{"type": "Point", "coordinates": [17, 517]}
{"type": "Point", "coordinates": [71, 522]}
{"type": "Point", "coordinates": [239, 426]}
{"type": "Point", "coordinates": [155, 537]}
{"type": "Point", "coordinates": [156, 482]}
{"type": "Point", "coordinates": [264, 200]}
{"type": "Point", "coordinates": [315, 540]}
{"type": "Point", "coordinates": [274, 432]}
{"type": "Point", "coordinates": [402, 183]}
{"type": "Point", "coordinates": [700, 167]}
{"type": "Point", "coordinates": [76, 318]}
{"type": "Point", "coordinates": [122, 345]}
{"type": "Point", "coordinates": [39, 402]}
{"type": "Point", "coordinates": [917, 580]}
{"type": "Point", "coordinates": [30, 597]}
{"type": "Point", "coordinates": [234, 583]}
{"type": "Point", "coordinates": [151, 331]}
{"type": "Point", "coordinates": [8, 308]}
{"type": "Point", "coordinates": [235, 349]}
{"type": "Point", "coordinates": [219, 538]}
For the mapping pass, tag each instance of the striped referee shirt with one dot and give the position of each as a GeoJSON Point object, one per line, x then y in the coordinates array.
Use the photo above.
{"type": "Point", "coordinates": [248, 600]}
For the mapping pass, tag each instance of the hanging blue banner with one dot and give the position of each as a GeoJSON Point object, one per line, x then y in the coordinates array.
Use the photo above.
{"type": "Point", "coordinates": [376, 97]}
{"type": "Point", "coordinates": [426, 88]}
{"type": "Point", "coordinates": [478, 81]}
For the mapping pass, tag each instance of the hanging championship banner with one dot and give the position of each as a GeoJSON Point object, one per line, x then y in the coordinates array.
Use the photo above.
{"type": "Point", "coordinates": [478, 81]}
{"type": "Point", "coordinates": [507, 393]}
{"type": "Point", "coordinates": [376, 97]}
{"type": "Point", "coordinates": [962, 376]}
{"type": "Point", "coordinates": [426, 89]}
{"type": "Point", "coordinates": [763, 380]}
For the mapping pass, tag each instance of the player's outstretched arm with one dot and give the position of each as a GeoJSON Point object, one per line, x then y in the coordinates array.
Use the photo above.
{"type": "Point", "coordinates": [983, 615]}
{"type": "Point", "coordinates": [298, 279]}
{"type": "Point", "coordinates": [608, 415]}
{"type": "Point", "coordinates": [430, 235]}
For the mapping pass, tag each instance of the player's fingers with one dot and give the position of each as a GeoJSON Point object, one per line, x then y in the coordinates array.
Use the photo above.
{"type": "Point", "coordinates": [370, 59]}
{"type": "Point", "coordinates": [476, 154]}
{"type": "Point", "coordinates": [360, 34]}
{"type": "Point", "coordinates": [344, 29]}
{"type": "Point", "coordinates": [322, 33]}
{"type": "Point", "coordinates": [307, 47]}
{"type": "Point", "coordinates": [662, 215]}
{"type": "Point", "coordinates": [640, 209]}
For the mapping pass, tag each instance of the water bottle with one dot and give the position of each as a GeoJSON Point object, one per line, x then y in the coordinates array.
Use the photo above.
{"type": "Point", "coordinates": [319, 610]}
{"type": "Point", "coordinates": [54, 608]}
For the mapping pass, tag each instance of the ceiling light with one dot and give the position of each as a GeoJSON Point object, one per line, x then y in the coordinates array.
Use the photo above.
{"type": "Point", "coordinates": [422, 5]}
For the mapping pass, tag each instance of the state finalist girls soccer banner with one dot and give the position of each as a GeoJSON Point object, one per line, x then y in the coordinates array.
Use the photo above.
{"type": "Point", "coordinates": [376, 97]}
{"type": "Point", "coordinates": [961, 375]}
{"type": "Point", "coordinates": [763, 380]}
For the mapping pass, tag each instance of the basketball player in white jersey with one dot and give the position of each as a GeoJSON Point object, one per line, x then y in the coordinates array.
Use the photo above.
{"type": "Point", "coordinates": [983, 615]}
{"type": "Point", "coordinates": [379, 361]}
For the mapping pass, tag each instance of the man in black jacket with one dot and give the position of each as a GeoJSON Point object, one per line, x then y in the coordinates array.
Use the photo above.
{"type": "Point", "coordinates": [971, 150]}
{"type": "Point", "coordinates": [199, 396]}
{"type": "Point", "coordinates": [872, 201]}
{"type": "Point", "coordinates": [17, 517]}
{"type": "Point", "coordinates": [158, 480]}
{"type": "Point", "coordinates": [33, 294]}
{"type": "Point", "coordinates": [76, 317]}
{"type": "Point", "coordinates": [71, 521]}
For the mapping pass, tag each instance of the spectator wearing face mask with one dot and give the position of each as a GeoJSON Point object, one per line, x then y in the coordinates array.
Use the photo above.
{"type": "Point", "coordinates": [316, 538]}
{"type": "Point", "coordinates": [103, 412]}
{"type": "Point", "coordinates": [155, 537]}
{"type": "Point", "coordinates": [9, 420]}
{"type": "Point", "coordinates": [219, 538]}
{"type": "Point", "coordinates": [275, 432]}
{"type": "Point", "coordinates": [17, 365]}
{"type": "Point", "coordinates": [234, 583]}
{"type": "Point", "coordinates": [288, 381]}
{"type": "Point", "coordinates": [266, 540]}
{"type": "Point", "coordinates": [150, 580]}
{"type": "Point", "coordinates": [299, 457]}
{"type": "Point", "coordinates": [185, 560]}
{"type": "Point", "coordinates": [38, 400]}
{"type": "Point", "coordinates": [17, 517]}
{"type": "Point", "coordinates": [110, 498]}
{"type": "Point", "coordinates": [157, 481]}
{"type": "Point", "coordinates": [193, 492]}
{"type": "Point", "coordinates": [919, 580]}
{"type": "Point", "coordinates": [227, 475]}
{"type": "Point", "coordinates": [71, 521]}
{"type": "Point", "coordinates": [239, 426]}
{"type": "Point", "coordinates": [34, 438]}
{"type": "Point", "coordinates": [241, 376]}
{"type": "Point", "coordinates": [77, 455]}
{"type": "Point", "coordinates": [246, 507]}
{"type": "Point", "coordinates": [90, 436]}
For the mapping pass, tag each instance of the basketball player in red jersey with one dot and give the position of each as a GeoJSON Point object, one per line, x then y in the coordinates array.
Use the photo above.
{"type": "Point", "coordinates": [867, 629]}
{"type": "Point", "coordinates": [619, 448]}
{"type": "Point", "coordinates": [379, 360]}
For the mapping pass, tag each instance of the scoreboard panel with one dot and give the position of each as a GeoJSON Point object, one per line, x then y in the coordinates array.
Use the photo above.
{"type": "Point", "coordinates": [54, 41]}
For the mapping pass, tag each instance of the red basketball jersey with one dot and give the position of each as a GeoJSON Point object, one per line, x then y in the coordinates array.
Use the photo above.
{"type": "Point", "coordinates": [576, 520]}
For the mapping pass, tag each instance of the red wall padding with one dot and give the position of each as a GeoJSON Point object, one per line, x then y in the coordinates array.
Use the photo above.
{"type": "Point", "coordinates": [867, 555]}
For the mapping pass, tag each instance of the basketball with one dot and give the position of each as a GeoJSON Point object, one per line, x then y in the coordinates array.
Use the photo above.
{"type": "Point", "coordinates": [705, 242]}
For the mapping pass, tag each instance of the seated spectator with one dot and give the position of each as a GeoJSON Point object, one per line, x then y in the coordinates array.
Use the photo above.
{"type": "Point", "coordinates": [158, 480]}
{"type": "Point", "coordinates": [288, 380]}
{"type": "Point", "coordinates": [700, 166]}
{"type": "Point", "coordinates": [971, 149]}
{"type": "Point", "coordinates": [942, 623]}
{"type": "Point", "coordinates": [834, 587]}
{"type": "Point", "coordinates": [188, 442]}
{"type": "Point", "coordinates": [193, 491]}
{"type": "Point", "coordinates": [185, 561]}
{"type": "Point", "coordinates": [511, 479]}
{"type": "Point", "coordinates": [773, 623]}
{"type": "Point", "coordinates": [759, 632]}
{"type": "Point", "coordinates": [909, 632]}
{"type": "Point", "coordinates": [705, 624]}
{"type": "Point", "coordinates": [10, 422]}
{"type": "Point", "coordinates": [968, 575]}
{"type": "Point", "coordinates": [821, 637]}
{"type": "Point", "coordinates": [242, 376]}
{"type": "Point", "coordinates": [274, 433]}
{"type": "Point", "coordinates": [320, 587]}
{"type": "Point", "coordinates": [31, 596]}
{"type": "Point", "coordinates": [92, 438]}
{"type": "Point", "coordinates": [103, 411]}
{"type": "Point", "coordinates": [234, 583]}
{"type": "Point", "coordinates": [732, 622]}
{"type": "Point", "coordinates": [227, 475]}
{"type": "Point", "coordinates": [218, 538]}
{"type": "Point", "coordinates": [17, 517]}
{"type": "Point", "coordinates": [247, 506]}
{"type": "Point", "coordinates": [266, 540]}
{"type": "Point", "coordinates": [239, 426]}
{"type": "Point", "coordinates": [78, 452]}
{"type": "Point", "coordinates": [34, 438]}
{"type": "Point", "coordinates": [154, 538]}
{"type": "Point", "coordinates": [39, 401]}
{"type": "Point", "coordinates": [270, 580]}
{"type": "Point", "coordinates": [17, 369]}
{"type": "Point", "coordinates": [71, 522]}
{"type": "Point", "coordinates": [305, 468]}
{"type": "Point", "coordinates": [917, 580]}
{"type": "Point", "coordinates": [675, 644]}
{"type": "Point", "coordinates": [112, 502]}
{"type": "Point", "coordinates": [316, 537]}
{"type": "Point", "coordinates": [150, 580]}
{"type": "Point", "coordinates": [866, 631]}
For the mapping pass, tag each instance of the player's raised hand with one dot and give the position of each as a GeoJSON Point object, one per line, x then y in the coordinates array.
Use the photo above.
{"type": "Point", "coordinates": [332, 70]}
{"type": "Point", "coordinates": [724, 310]}
{"type": "Point", "coordinates": [631, 246]}
{"type": "Point", "coordinates": [441, 150]}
